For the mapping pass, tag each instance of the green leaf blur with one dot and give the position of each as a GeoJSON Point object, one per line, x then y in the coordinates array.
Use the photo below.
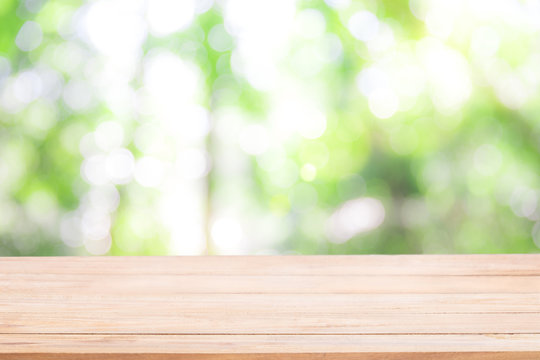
{"type": "Point", "coordinates": [269, 127]}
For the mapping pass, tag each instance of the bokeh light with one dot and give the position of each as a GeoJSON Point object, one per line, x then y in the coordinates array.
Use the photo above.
{"type": "Point", "coordinates": [241, 127]}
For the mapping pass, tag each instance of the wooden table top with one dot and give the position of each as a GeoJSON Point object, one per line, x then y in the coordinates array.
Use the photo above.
{"type": "Point", "coordinates": [271, 307]}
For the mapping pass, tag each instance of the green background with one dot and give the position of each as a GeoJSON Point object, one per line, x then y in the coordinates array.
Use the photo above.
{"type": "Point", "coordinates": [455, 166]}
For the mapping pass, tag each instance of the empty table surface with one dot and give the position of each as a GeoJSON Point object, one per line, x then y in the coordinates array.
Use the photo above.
{"type": "Point", "coordinates": [271, 307]}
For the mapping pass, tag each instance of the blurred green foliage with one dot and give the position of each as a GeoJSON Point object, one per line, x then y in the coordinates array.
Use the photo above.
{"type": "Point", "coordinates": [366, 127]}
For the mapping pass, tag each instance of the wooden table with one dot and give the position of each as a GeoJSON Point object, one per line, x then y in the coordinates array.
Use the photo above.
{"type": "Point", "coordinates": [271, 307]}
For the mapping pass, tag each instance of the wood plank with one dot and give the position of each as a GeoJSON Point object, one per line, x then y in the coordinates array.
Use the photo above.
{"type": "Point", "coordinates": [274, 344]}
{"type": "Point", "coordinates": [345, 307]}
{"type": "Point", "coordinates": [491, 355]}
{"type": "Point", "coordinates": [252, 322]}
{"type": "Point", "coordinates": [271, 284]}
{"type": "Point", "coordinates": [272, 303]}
{"type": "Point", "coordinates": [500, 264]}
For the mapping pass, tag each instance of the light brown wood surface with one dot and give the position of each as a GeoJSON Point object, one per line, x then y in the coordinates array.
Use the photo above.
{"type": "Point", "coordinates": [271, 307]}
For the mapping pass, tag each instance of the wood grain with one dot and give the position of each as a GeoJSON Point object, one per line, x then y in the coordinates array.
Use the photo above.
{"type": "Point", "coordinates": [268, 307]}
{"type": "Point", "coordinates": [270, 284]}
{"type": "Point", "coordinates": [508, 264]}
{"type": "Point", "coordinates": [271, 344]}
